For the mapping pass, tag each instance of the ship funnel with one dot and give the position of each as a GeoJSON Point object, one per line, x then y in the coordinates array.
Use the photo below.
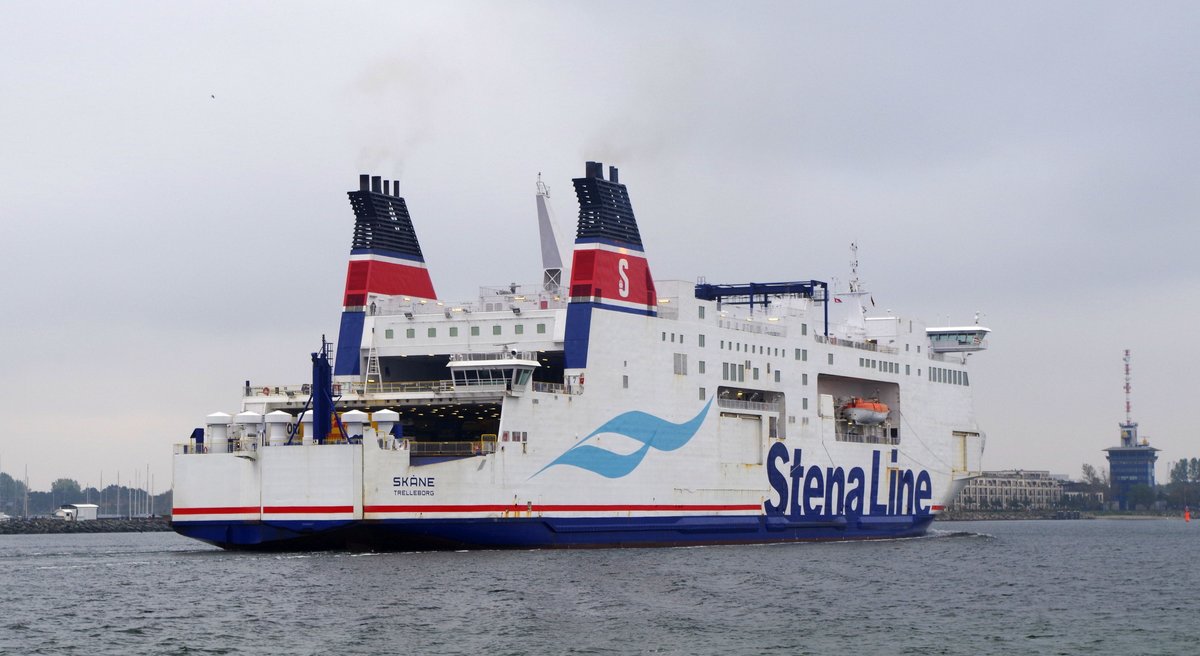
{"type": "Point", "coordinates": [609, 270]}
{"type": "Point", "coordinates": [385, 261]}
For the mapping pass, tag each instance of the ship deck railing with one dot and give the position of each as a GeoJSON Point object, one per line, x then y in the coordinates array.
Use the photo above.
{"type": "Point", "coordinates": [955, 358]}
{"type": "Point", "coordinates": [526, 298]}
{"type": "Point", "coordinates": [765, 326]}
{"type": "Point", "coordinates": [862, 346]}
{"type": "Point", "coordinates": [242, 445]}
{"type": "Point", "coordinates": [416, 447]}
{"type": "Point", "coordinates": [861, 438]}
{"type": "Point", "coordinates": [438, 448]}
{"type": "Point", "coordinates": [491, 356]}
{"type": "Point", "coordinates": [395, 387]}
{"type": "Point", "coordinates": [556, 388]}
{"type": "Point", "coordinates": [737, 404]}
{"type": "Point", "coordinates": [302, 392]}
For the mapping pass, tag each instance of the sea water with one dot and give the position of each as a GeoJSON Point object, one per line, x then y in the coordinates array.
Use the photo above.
{"type": "Point", "coordinates": [1022, 587]}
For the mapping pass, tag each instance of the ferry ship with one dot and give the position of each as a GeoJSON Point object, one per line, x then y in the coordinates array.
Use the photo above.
{"type": "Point", "coordinates": [612, 410]}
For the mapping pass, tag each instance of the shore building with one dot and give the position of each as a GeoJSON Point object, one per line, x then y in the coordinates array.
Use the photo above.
{"type": "Point", "coordinates": [1014, 488]}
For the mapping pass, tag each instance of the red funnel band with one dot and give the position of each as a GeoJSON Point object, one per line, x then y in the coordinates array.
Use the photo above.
{"type": "Point", "coordinates": [379, 274]}
{"type": "Point", "coordinates": [613, 275]}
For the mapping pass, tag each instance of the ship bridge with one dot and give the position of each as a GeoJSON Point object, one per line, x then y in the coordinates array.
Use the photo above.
{"type": "Point", "coordinates": [960, 339]}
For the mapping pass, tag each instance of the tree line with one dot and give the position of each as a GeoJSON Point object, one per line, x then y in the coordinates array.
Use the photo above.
{"type": "Point", "coordinates": [114, 500]}
{"type": "Point", "coordinates": [1183, 487]}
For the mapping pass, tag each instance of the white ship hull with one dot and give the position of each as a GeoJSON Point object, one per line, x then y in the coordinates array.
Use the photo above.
{"type": "Point", "coordinates": [685, 425]}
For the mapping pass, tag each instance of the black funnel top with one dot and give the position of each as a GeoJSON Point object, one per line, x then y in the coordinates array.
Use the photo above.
{"type": "Point", "coordinates": [604, 208]}
{"type": "Point", "coordinates": [381, 221]}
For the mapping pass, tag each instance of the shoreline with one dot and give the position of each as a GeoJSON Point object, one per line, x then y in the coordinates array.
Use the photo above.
{"type": "Point", "coordinates": [47, 525]}
{"type": "Point", "coordinates": [1001, 515]}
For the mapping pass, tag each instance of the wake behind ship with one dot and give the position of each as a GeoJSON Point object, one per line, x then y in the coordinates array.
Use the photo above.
{"type": "Point", "coordinates": [614, 410]}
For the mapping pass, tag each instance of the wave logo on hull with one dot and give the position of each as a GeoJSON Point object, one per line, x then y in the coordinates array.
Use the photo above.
{"type": "Point", "coordinates": [653, 432]}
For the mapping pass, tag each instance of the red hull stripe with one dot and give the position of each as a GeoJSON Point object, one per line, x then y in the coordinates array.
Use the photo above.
{"type": "Point", "coordinates": [306, 510]}
{"type": "Point", "coordinates": [937, 508]}
{"type": "Point", "coordinates": [270, 510]}
{"type": "Point", "coordinates": [554, 508]}
{"type": "Point", "coordinates": [215, 511]}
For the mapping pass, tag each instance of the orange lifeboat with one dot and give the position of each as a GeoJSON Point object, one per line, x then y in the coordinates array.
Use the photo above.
{"type": "Point", "coordinates": [865, 411]}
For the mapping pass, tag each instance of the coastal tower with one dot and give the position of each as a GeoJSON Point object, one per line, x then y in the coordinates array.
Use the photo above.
{"type": "Point", "coordinates": [385, 261]}
{"type": "Point", "coordinates": [1132, 463]}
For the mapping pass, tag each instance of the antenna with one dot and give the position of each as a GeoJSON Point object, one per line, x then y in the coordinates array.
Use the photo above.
{"type": "Point", "coordinates": [854, 283]}
{"type": "Point", "coordinates": [553, 272]}
{"type": "Point", "coordinates": [1128, 390]}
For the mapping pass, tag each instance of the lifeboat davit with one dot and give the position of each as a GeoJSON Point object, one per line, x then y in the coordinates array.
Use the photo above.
{"type": "Point", "coordinates": [865, 411]}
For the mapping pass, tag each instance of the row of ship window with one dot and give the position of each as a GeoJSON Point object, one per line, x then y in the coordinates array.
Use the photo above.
{"type": "Point", "coordinates": [730, 371]}
{"type": "Point", "coordinates": [885, 366]}
{"type": "Point", "coordinates": [739, 347]}
{"type": "Point", "coordinates": [411, 333]}
{"type": "Point", "coordinates": [949, 376]}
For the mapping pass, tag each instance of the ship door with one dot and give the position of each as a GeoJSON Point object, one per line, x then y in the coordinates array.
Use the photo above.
{"type": "Point", "coordinates": [968, 446]}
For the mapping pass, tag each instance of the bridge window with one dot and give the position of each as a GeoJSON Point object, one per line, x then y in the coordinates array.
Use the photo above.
{"type": "Point", "coordinates": [496, 330]}
{"type": "Point", "coordinates": [433, 332]}
{"type": "Point", "coordinates": [454, 331]}
{"type": "Point", "coordinates": [541, 328]}
{"type": "Point", "coordinates": [474, 331]}
{"type": "Point", "coordinates": [388, 334]}
{"type": "Point", "coordinates": [410, 333]}
{"type": "Point", "coordinates": [519, 329]}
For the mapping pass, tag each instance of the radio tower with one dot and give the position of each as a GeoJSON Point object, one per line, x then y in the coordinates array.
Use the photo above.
{"type": "Point", "coordinates": [1129, 428]}
{"type": "Point", "coordinates": [1131, 465]}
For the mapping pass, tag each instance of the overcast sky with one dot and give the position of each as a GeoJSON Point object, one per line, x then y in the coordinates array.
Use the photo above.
{"type": "Point", "coordinates": [173, 217]}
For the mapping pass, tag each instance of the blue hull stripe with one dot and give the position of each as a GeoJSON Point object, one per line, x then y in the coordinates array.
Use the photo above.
{"type": "Point", "coordinates": [544, 532]}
